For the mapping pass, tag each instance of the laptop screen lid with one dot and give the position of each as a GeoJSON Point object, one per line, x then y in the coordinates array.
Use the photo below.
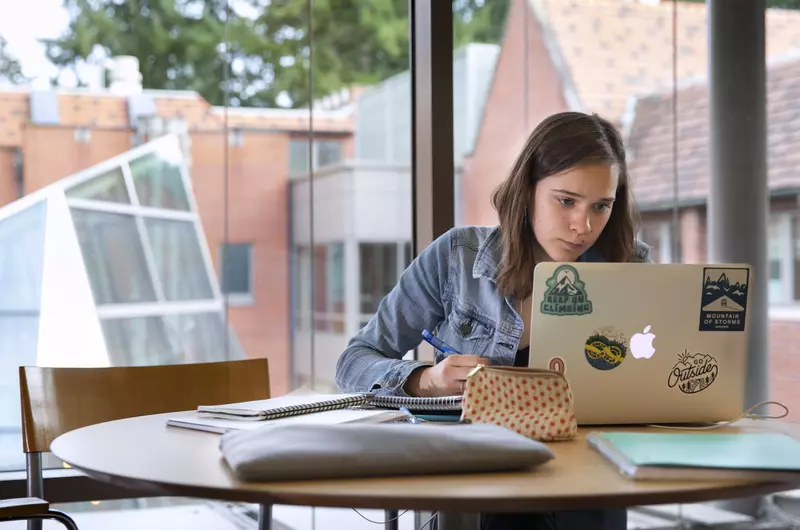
{"type": "Point", "coordinates": [644, 343]}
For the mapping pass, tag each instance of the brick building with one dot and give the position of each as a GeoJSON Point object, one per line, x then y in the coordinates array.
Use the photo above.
{"type": "Point", "coordinates": [46, 136]}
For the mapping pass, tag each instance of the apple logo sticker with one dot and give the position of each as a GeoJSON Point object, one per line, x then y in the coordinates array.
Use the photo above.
{"type": "Point", "coordinates": [642, 344]}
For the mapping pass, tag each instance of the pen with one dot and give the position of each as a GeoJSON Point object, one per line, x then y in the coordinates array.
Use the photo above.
{"type": "Point", "coordinates": [434, 341]}
{"type": "Point", "coordinates": [411, 417]}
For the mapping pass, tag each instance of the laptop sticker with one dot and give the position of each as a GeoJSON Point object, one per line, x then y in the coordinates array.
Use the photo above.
{"type": "Point", "coordinates": [566, 294]}
{"type": "Point", "coordinates": [693, 372]}
{"type": "Point", "coordinates": [557, 365]}
{"type": "Point", "coordinates": [642, 344]}
{"type": "Point", "coordinates": [724, 301]}
{"type": "Point", "coordinates": [605, 349]}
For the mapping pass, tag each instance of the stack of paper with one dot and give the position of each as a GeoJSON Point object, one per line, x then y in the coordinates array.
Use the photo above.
{"type": "Point", "coordinates": [301, 406]}
{"type": "Point", "coordinates": [193, 420]}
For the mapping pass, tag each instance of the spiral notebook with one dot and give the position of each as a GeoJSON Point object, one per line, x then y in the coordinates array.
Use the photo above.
{"type": "Point", "coordinates": [438, 404]}
{"type": "Point", "coordinates": [304, 402]}
{"type": "Point", "coordinates": [284, 406]}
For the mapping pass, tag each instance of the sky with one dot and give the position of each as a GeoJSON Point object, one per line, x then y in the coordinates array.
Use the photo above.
{"type": "Point", "coordinates": [23, 22]}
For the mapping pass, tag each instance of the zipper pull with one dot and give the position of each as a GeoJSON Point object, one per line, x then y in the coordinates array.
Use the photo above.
{"type": "Point", "coordinates": [475, 370]}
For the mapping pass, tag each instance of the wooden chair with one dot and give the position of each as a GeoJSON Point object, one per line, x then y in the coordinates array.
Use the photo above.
{"type": "Point", "coordinates": [58, 400]}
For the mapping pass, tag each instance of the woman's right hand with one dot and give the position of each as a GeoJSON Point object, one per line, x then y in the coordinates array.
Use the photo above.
{"type": "Point", "coordinates": [445, 378]}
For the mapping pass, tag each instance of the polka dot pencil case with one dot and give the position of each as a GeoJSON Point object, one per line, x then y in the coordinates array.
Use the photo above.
{"type": "Point", "coordinates": [533, 402]}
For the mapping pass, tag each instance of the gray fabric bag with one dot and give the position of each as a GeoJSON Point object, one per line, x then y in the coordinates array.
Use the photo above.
{"type": "Point", "coordinates": [308, 451]}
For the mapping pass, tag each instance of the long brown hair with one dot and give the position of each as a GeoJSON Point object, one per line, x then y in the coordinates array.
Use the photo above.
{"type": "Point", "coordinates": [560, 142]}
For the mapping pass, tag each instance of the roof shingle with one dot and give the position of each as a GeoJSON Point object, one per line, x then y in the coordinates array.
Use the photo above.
{"type": "Point", "coordinates": [650, 139]}
{"type": "Point", "coordinates": [613, 49]}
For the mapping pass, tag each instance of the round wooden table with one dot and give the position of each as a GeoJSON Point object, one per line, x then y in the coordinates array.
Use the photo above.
{"type": "Point", "coordinates": [144, 453]}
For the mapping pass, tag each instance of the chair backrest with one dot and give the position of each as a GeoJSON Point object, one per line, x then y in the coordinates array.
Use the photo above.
{"type": "Point", "coordinates": [58, 400]}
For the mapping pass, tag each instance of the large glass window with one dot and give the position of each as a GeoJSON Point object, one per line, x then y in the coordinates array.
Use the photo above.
{"type": "Point", "coordinates": [22, 238]}
{"type": "Point", "coordinates": [274, 143]}
{"type": "Point", "coordinates": [109, 187]}
{"type": "Point", "coordinates": [179, 259]}
{"type": "Point", "coordinates": [326, 152]}
{"type": "Point", "coordinates": [114, 257]}
{"type": "Point", "coordinates": [158, 182]}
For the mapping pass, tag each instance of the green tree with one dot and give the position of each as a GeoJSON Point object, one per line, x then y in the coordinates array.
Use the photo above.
{"type": "Point", "coordinates": [179, 43]}
{"type": "Point", "coordinates": [10, 69]}
{"type": "Point", "coordinates": [479, 21]}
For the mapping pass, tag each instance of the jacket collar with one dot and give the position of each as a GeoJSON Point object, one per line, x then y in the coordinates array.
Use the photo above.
{"type": "Point", "coordinates": [490, 256]}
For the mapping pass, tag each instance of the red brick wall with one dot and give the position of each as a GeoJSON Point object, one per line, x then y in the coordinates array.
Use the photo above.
{"type": "Point", "coordinates": [504, 127]}
{"type": "Point", "coordinates": [784, 365]}
{"type": "Point", "coordinates": [258, 213]}
{"type": "Point", "coordinates": [93, 110]}
{"type": "Point", "coordinates": [8, 186]}
{"type": "Point", "coordinates": [693, 235]}
{"type": "Point", "coordinates": [14, 112]}
{"type": "Point", "coordinates": [51, 153]}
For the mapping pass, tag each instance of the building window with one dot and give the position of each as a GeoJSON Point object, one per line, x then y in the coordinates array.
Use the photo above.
{"type": "Point", "coordinates": [298, 156]}
{"type": "Point", "coordinates": [328, 284]}
{"type": "Point", "coordinates": [237, 272]}
{"type": "Point", "coordinates": [380, 267]}
{"type": "Point", "coordinates": [327, 152]}
{"type": "Point", "coordinates": [236, 138]}
{"type": "Point", "coordinates": [658, 234]}
{"type": "Point", "coordinates": [782, 254]}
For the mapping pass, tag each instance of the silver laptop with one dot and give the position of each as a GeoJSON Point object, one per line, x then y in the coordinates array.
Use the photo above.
{"type": "Point", "coordinates": [644, 343]}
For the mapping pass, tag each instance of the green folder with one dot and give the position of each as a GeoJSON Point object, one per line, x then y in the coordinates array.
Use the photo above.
{"type": "Point", "coordinates": [700, 456]}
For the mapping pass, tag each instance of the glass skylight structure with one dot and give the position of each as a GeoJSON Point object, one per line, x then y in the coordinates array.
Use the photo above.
{"type": "Point", "coordinates": [109, 267]}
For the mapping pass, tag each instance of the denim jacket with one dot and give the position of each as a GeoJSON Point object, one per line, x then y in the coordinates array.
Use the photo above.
{"type": "Point", "coordinates": [450, 288]}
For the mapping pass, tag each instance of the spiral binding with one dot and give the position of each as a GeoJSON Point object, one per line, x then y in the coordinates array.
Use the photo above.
{"type": "Point", "coordinates": [322, 406]}
{"type": "Point", "coordinates": [296, 410]}
{"type": "Point", "coordinates": [418, 403]}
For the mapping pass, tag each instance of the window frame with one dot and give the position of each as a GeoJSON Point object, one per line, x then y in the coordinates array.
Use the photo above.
{"type": "Point", "coordinates": [787, 234]}
{"type": "Point", "coordinates": [161, 306]}
{"type": "Point", "coordinates": [402, 254]}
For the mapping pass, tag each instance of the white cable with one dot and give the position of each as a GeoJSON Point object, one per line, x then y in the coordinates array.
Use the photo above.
{"type": "Point", "coordinates": [380, 522]}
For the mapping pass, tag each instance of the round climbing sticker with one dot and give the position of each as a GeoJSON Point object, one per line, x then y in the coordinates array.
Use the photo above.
{"type": "Point", "coordinates": [605, 349]}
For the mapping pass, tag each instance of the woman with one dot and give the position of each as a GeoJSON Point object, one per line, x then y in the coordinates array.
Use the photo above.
{"type": "Point", "coordinates": [566, 199]}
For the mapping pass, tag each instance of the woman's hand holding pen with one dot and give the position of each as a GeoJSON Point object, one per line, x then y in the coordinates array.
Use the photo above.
{"type": "Point", "coordinates": [448, 376]}
{"type": "Point", "coordinates": [445, 378]}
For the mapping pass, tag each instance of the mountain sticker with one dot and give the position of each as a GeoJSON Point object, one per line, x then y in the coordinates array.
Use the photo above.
{"type": "Point", "coordinates": [724, 300]}
{"type": "Point", "coordinates": [566, 294]}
